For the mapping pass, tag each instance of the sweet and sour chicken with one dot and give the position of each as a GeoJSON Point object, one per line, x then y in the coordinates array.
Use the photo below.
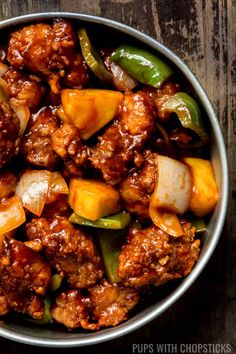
{"type": "Point", "coordinates": [99, 161]}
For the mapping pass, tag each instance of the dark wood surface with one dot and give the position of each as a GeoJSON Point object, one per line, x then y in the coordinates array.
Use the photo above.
{"type": "Point", "coordinates": [203, 34]}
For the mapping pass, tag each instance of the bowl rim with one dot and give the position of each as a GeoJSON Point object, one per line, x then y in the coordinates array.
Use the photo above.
{"type": "Point", "coordinates": [148, 315]}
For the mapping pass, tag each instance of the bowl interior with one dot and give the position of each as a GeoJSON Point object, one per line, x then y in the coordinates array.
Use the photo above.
{"type": "Point", "coordinates": [111, 32]}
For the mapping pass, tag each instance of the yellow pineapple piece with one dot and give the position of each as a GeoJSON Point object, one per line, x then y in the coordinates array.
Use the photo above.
{"type": "Point", "coordinates": [204, 190]}
{"type": "Point", "coordinates": [93, 199]}
{"type": "Point", "coordinates": [90, 109]}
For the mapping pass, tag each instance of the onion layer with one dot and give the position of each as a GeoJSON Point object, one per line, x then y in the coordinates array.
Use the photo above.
{"type": "Point", "coordinates": [173, 187]}
{"type": "Point", "coordinates": [121, 80]}
{"type": "Point", "coordinates": [3, 69]}
{"type": "Point", "coordinates": [33, 188]}
{"type": "Point", "coordinates": [22, 112]}
{"type": "Point", "coordinates": [171, 195]}
{"type": "Point", "coordinates": [166, 221]}
{"type": "Point", "coordinates": [58, 184]}
{"type": "Point", "coordinates": [12, 214]}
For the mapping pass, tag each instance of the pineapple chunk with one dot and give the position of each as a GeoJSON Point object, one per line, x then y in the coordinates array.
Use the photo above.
{"type": "Point", "coordinates": [204, 190]}
{"type": "Point", "coordinates": [89, 110]}
{"type": "Point", "coordinates": [93, 199]}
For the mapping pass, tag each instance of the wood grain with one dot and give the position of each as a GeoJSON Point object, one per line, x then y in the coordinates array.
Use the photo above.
{"type": "Point", "coordinates": [203, 34]}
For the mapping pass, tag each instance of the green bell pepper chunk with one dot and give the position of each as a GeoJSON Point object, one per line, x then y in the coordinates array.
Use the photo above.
{"type": "Point", "coordinates": [111, 243]}
{"type": "Point", "coordinates": [55, 282]}
{"type": "Point", "coordinates": [47, 317]}
{"type": "Point", "coordinates": [187, 111]}
{"type": "Point", "coordinates": [92, 58]}
{"type": "Point", "coordinates": [116, 221]}
{"type": "Point", "coordinates": [199, 224]}
{"type": "Point", "coordinates": [142, 65]}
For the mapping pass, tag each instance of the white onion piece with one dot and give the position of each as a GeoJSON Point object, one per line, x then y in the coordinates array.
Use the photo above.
{"type": "Point", "coordinates": [12, 214]}
{"type": "Point", "coordinates": [22, 112]}
{"type": "Point", "coordinates": [5, 88]}
{"type": "Point", "coordinates": [58, 184]}
{"type": "Point", "coordinates": [32, 189]}
{"type": "Point", "coordinates": [166, 221]}
{"type": "Point", "coordinates": [3, 69]}
{"type": "Point", "coordinates": [173, 188]}
{"type": "Point", "coordinates": [121, 80]}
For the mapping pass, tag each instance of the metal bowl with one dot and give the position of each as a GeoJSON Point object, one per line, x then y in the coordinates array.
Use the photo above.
{"type": "Point", "coordinates": [52, 338]}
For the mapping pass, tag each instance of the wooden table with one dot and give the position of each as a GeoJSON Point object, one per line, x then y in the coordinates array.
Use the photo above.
{"type": "Point", "coordinates": [203, 34]}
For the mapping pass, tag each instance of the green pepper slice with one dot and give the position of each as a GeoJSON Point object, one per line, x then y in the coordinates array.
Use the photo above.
{"type": "Point", "coordinates": [47, 317]}
{"type": "Point", "coordinates": [92, 58]}
{"type": "Point", "coordinates": [111, 243]}
{"type": "Point", "coordinates": [187, 111]}
{"type": "Point", "coordinates": [142, 65]}
{"type": "Point", "coordinates": [116, 221]}
{"type": "Point", "coordinates": [199, 224]}
{"type": "Point", "coordinates": [55, 282]}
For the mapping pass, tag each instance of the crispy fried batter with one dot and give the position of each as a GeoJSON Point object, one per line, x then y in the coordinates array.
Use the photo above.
{"type": "Point", "coordinates": [7, 184]}
{"type": "Point", "coordinates": [28, 90]}
{"type": "Point", "coordinates": [112, 302]}
{"type": "Point", "coordinates": [4, 307]}
{"type": "Point", "coordinates": [24, 277]}
{"type": "Point", "coordinates": [36, 144]}
{"type": "Point", "coordinates": [151, 256]}
{"type": "Point", "coordinates": [121, 142]}
{"type": "Point", "coordinates": [9, 130]}
{"type": "Point", "coordinates": [48, 50]}
{"type": "Point", "coordinates": [136, 189]}
{"type": "Point", "coordinates": [107, 305]}
{"type": "Point", "coordinates": [67, 144]}
{"type": "Point", "coordinates": [160, 96]}
{"type": "Point", "coordinates": [73, 309]}
{"type": "Point", "coordinates": [77, 74]}
{"type": "Point", "coordinates": [69, 250]}
{"type": "Point", "coordinates": [58, 207]}
{"type": "Point", "coordinates": [42, 47]}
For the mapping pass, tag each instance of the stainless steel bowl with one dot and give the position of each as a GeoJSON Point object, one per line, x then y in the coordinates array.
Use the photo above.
{"type": "Point", "coordinates": [50, 338]}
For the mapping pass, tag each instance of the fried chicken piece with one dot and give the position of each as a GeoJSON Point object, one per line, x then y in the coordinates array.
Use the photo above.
{"type": "Point", "coordinates": [151, 256]}
{"type": "Point", "coordinates": [107, 305]}
{"type": "Point", "coordinates": [121, 142]}
{"type": "Point", "coordinates": [58, 207]}
{"type": "Point", "coordinates": [26, 89]}
{"type": "Point", "coordinates": [48, 50]}
{"type": "Point", "coordinates": [112, 302]}
{"type": "Point", "coordinates": [35, 245]}
{"type": "Point", "coordinates": [160, 96]}
{"type": "Point", "coordinates": [4, 307]}
{"type": "Point", "coordinates": [77, 74]}
{"type": "Point", "coordinates": [110, 157]}
{"type": "Point", "coordinates": [7, 184]}
{"type": "Point", "coordinates": [137, 188]}
{"type": "Point", "coordinates": [68, 249]}
{"type": "Point", "coordinates": [9, 130]}
{"type": "Point", "coordinates": [36, 145]}
{"type": "Point", "coordinates": [72, 309]}
{"type": "Point", "coordinates": [41, 48]}
{"type": "Point", "coordinates": [67, 144]}
{"type": "Point", "coordinates": [24, 277]}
